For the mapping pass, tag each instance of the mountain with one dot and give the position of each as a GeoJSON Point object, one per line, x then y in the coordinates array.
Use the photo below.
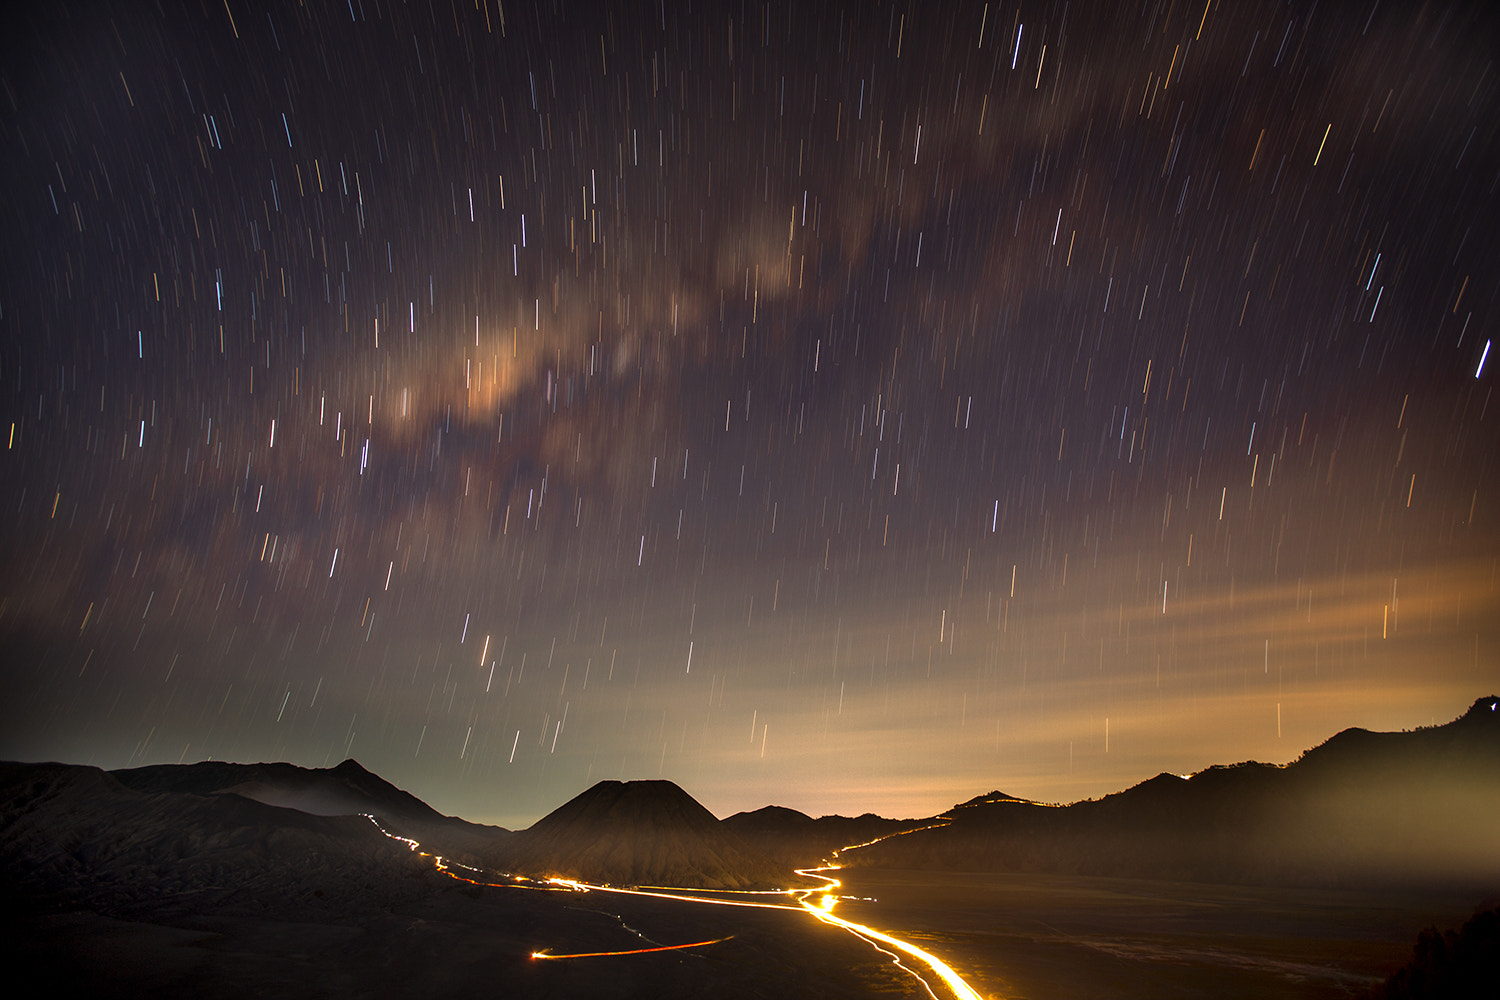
{"type": "Point", "coordinates": [638, 833]}
{"type": "Point", "coordinates": [345, 790]}
{"type": "Point", "coordinates": [798, 841]}
{"type": "Point", "coordinates": [1360, 809]}
{"type": "Point", "coordinates": [73, 836]}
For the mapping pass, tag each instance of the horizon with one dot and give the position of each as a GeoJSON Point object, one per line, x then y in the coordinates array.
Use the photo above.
{"type": "Point", "coordinates": [526, 823]}
{"type": "Point", "coordinates": [821, 406]}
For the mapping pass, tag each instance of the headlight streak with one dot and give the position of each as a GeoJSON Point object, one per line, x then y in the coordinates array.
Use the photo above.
{"type": "Point", "coordinates": [896, 961]}
{"type": "Point", "coordinates": [632, 951]}
{"type": "Point", "coordinates": [821, 910]}
{"type": "Point", "coordinates": [681, 895]}
{"type": "Point", "coordinates": [947, 821]}
{"type": "Point", "coordinates": [729, 892]}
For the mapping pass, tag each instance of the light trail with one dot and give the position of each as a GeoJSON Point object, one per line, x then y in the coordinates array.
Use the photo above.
{"type": "Point", "coordinates": [888, 836]}
{"type": "Point", "coordinates": [680, 894]}
{"type": "Point", "coordinates": [821, 910]}
{"type": "Point", "coordinates": [632, 951]}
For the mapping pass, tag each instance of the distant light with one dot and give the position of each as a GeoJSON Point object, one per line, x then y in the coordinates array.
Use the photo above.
{"type": "Point", "coordinates": [1482, 356]}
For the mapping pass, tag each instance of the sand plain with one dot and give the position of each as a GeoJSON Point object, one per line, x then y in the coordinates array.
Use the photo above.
{"type": "Point", "coordinates": [1054, 937]}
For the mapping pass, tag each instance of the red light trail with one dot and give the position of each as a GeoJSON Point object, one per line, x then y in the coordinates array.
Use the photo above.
{"type": "Point", "coordinates": [632, 951]}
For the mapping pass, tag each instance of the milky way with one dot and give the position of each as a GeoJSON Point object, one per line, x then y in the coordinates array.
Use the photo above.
{"type": "Point", "coordinates": [851, 407]}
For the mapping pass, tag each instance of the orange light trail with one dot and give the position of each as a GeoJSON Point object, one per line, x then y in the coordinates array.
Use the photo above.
{"type": "Point", "coordinates": [633, 951]}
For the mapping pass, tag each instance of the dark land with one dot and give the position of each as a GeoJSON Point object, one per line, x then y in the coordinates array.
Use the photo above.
{"type": "Point", "coordinates": [1050, 937]}
{"type": "Point", "coordinates": [225, 880]}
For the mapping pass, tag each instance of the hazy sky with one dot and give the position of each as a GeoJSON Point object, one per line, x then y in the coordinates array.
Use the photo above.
{"type": "Point", "coordinates": [853, 407]}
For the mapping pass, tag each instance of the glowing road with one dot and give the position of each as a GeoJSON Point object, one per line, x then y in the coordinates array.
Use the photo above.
{"type": "Point", "coordinates": [818, 902]}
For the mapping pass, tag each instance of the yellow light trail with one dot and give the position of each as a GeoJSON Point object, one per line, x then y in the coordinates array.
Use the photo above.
{"type": "Point", "coordinates": [823, 910]}
{"type": "Point", "coordinates": [632, 951]}
{"type": "Point", "coordinates": [682, 895]}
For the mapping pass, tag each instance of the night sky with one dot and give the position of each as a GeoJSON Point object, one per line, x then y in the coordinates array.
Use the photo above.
{"type": "Point", "coordinates": [852, 407]}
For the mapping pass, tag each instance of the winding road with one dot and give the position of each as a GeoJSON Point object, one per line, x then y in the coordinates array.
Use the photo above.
{"type": "Point", "coordinates": [818, 902]}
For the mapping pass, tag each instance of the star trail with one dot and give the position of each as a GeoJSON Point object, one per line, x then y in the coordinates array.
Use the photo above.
{"type": "Point", "coordinates": [848, 406]}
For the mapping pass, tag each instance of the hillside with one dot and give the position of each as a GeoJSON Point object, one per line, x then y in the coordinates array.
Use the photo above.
{"type": "Point", "coordinates": [345, 790]}
{"type": "Point", "coordinates": [77, 837]}
{"type": "Point", "coordinates": [1360, 809]}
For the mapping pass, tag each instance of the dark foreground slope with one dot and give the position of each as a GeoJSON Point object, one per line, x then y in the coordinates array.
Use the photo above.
{"type": "Point", "coordinates": [76, 836]}
{"type": "Point", "coordinates": [638, 833]}
{"type": "Point", "coordinates": [345, 790]}
{"type": "Point", "coordinates": [1363, 808]}
{"type": "Point", "coordinates": [107, 891]}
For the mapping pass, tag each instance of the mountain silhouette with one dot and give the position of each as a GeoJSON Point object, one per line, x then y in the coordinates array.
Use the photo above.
{"type": "Point", "coordinates": [346, 790]}
{"type": "Point", "coordinates": [1360, 809]}
{"type": "Point", "coordinates": [798, 841]}
{"type": "Point", "coordinates": [638, 833]}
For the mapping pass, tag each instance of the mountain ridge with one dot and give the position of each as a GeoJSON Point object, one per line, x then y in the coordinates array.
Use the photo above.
{"type": "Point", "coordinates": [346, 789]}
{"type": "Point", "coordinates": [1360, 808]}
{"type": "Point", "coordinates": [799, 841]}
